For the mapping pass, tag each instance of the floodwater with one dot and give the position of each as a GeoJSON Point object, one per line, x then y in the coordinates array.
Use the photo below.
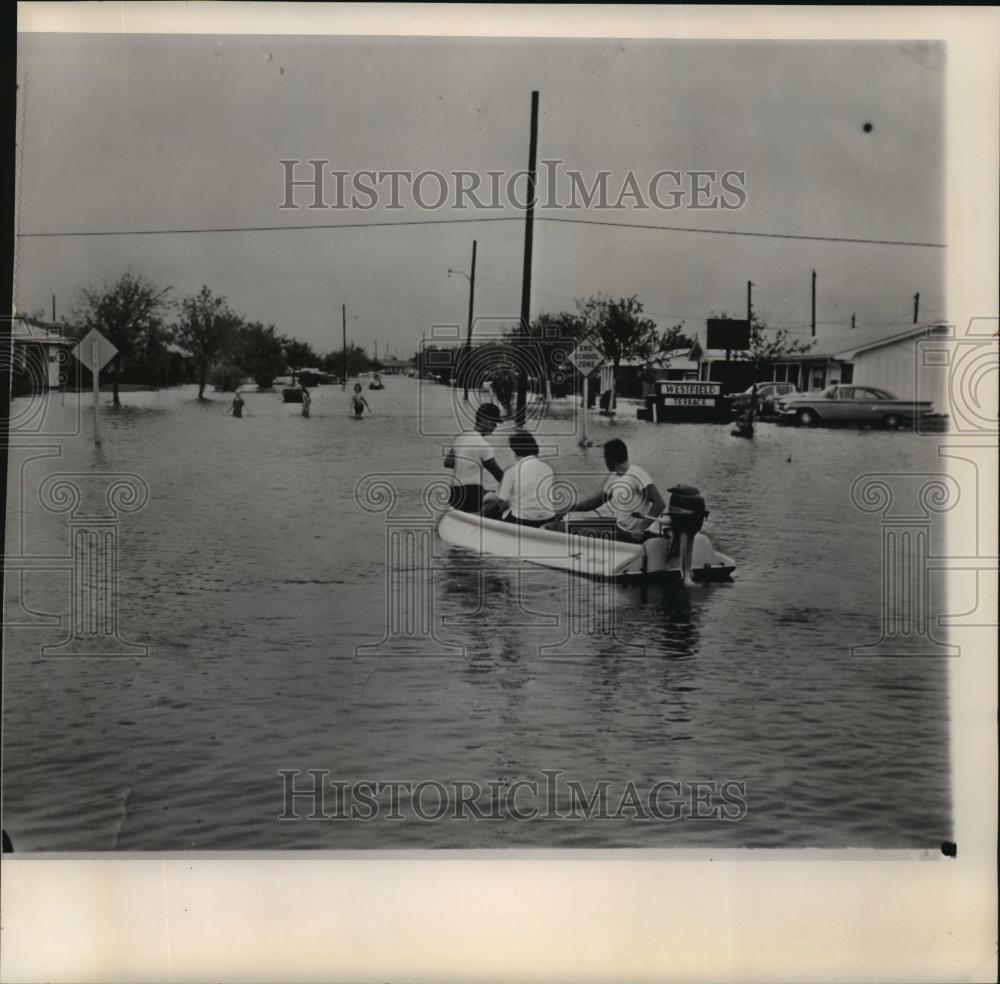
{"type": "Point", "coordinates": [252, 575]}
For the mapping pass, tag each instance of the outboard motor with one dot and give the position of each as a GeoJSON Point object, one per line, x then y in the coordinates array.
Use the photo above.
{"type": "Point", "coordinates": [686, 509]}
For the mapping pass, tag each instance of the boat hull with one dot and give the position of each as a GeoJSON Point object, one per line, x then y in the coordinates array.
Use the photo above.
{"type": "Point", "coordinates": [588, 556]}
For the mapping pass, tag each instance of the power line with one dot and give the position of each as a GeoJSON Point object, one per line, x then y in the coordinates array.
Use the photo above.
{"type": "Point", "coordinates": [758, 235]}
{"type": "Point", "coordinates": [493, 218]}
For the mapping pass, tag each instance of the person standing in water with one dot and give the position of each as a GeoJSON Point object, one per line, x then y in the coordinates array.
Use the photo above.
{"type": "Point", "coordinates": [237, 405]}
{"type": "Point", "coordinates": [358, 402]}
{"type": "Point", "coordinates": [306, 399]}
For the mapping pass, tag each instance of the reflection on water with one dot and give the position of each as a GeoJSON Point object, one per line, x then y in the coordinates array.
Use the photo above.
{"type": "Point", "coordinates": [252, 574]}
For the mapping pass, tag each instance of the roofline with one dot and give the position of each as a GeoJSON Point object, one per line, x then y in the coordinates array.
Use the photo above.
{"type": "Point", "coordinates": [915, 331]}
{"type": "Point", "coordinates": [42, 340]}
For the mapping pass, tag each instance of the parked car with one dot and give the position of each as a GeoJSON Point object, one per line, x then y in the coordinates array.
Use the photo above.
{"type": "Point", "coordinates": [768, 395]}
{"type": "Point", "coordinates": [843, 404]}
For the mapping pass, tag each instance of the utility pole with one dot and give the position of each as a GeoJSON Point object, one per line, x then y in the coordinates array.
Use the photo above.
{"type": "Point", "coordinates": [529, 223]}
{"type": "Point", "coordinates": [53, 309]}
{"type": "Point", "coordinates": [343, 322]}
{"type": "Point", "coordinates": [748, 427]}
{"type": "Point", "coordinates": [813, 322]}
{"type": "Point", "coordinates": [852, 322]}
{"type": "Point", "coordinates": [916, 306]}
{"type": "Point", "coordinates": [468, 337]}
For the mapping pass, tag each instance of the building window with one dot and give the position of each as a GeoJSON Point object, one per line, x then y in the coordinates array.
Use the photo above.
{"type": "Point", "coordinates": [847, 373]}
{"type": "Point", "coordinates": [780, 373]}
{"type": "Point", "coordinates": [793, 374]}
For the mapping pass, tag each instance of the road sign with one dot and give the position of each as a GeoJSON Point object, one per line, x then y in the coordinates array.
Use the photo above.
{"type": "Point", "coordinates": [586, 357]}
{"type": "Point", "coordinates": [95, 351]}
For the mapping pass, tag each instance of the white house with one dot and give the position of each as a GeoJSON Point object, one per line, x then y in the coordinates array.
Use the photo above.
{"type": "Point", "coordinates": [39, 351]}
{"type": "Point", "coordinates": [890, 358]}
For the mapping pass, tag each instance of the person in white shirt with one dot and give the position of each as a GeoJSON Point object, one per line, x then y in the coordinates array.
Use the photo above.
{"type": "Point", "coordinates": [629, 493]}
{"type": "Point", "coordinates": [469, 455]}
{"type": "Point", "coordinates": [526, 488]}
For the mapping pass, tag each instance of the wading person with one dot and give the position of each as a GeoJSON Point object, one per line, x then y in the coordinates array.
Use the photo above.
{"type": "Point", "coordinates": [358, 402]}
{"type": "Point", "coordinates": [469, 455]}
{"type": "Point", "coordinates": [237, 405]}
{"type": "Point", "coordinates": [306, 399]}
{"type": "Point", "coordinates": [628, 492]}
{"type": "Point", "coordinates": [526, 487]}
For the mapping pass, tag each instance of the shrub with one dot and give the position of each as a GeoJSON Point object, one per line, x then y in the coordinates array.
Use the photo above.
{"type": "Point", "coordinates": [226, 378]}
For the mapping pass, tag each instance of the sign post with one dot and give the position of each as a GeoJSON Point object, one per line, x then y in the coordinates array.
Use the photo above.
{"type": "Point", "coordinates": [94, 351]}
{"type": "Point", "coordinates": [586, 357]}
{"type": "Point", "coordinates": [95, 375]}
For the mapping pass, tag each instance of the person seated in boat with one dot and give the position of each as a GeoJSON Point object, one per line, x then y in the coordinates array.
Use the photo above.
{"type": "Point", "coordinates": [525, 492]}
{"type": "Point", "coordinates": [629, 494]}
{"type": "Point", "coordinates": [470, 453]}
{"type": "Point", "coordinates": [358, 402]}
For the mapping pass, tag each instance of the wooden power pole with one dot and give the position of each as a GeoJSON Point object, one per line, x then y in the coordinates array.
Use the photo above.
{"type": "Point", "coordinates": [529, 225]}
{"type": "Point", "coordinates": [468, 334]}
{"type": "Point", "coordinates": [813, 320]}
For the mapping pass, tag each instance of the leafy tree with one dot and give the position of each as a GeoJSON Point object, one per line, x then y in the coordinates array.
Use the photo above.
{"type": "Point", "coordinates": [673, 338]}
{"type": "Point", "coordinates": [299, 355]}
{"type": "Point", "coordinates": [260, 353]}
{"type": "Point", "coordinates": [205, 331]}
{"type": "Point", "coordinates": [357, 361]}
{"type": "Point", "coordinates": [155, 357]}
{"type": "Point", "coordinates": [619, 328]}
{"type": "Point", "coordinates": [129, 313]}
{"type": "Point", "coordinates": [227, 377]}
{"type": "Point", "coordinates": [768, 344]}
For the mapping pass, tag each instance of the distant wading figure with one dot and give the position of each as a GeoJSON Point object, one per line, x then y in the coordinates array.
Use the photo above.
{"type": "Point", "coordinates": [237, 405]}
{"type": "Point", "coordinates": [469, 455]}
{"type": "Point", "coordinates": [306, 400]}
{"type": "Point", "coordinates": [358, 402]}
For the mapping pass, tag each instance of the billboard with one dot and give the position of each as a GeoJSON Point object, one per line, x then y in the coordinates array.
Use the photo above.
{"type": "Point", "coordinates": [728, 333]}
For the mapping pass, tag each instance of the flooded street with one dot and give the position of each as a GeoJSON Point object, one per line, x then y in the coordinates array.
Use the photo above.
{"type": "Point", "coordinates": [252, 573]}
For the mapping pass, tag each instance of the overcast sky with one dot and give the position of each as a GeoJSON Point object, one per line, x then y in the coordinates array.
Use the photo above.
{"type": "Point", "coordinates": [168, 132]}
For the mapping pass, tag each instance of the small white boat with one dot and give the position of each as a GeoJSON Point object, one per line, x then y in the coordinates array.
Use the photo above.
{"type": "Point", "coordinates": [587, 551]}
